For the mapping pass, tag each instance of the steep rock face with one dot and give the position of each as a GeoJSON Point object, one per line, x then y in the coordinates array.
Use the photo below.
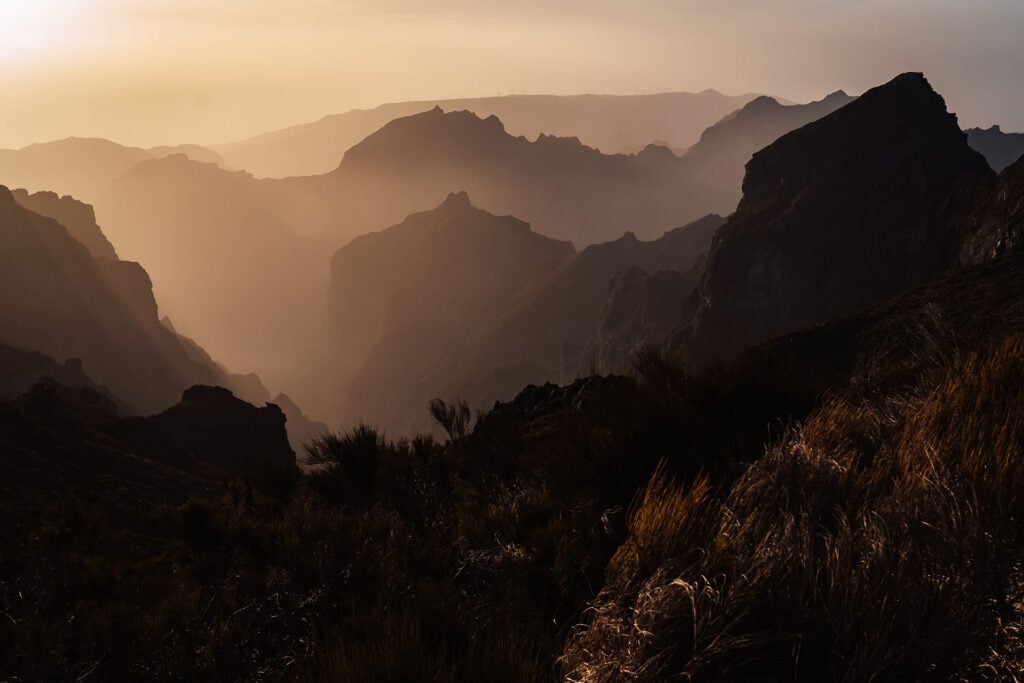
{"type": "Point", "coordinates": [211, 432]}
{"type": "Point", "coordinates": [401, 299]}
{"type": "Point", "coordinates": [78, 217]}
{"type": "Point", "coordinates": [849, 210]}
{"type": "Point", "coordinates": [999, 148]}
{"type": "Point", "coordinates": [994, 222]}
{"type": "Point", "coordinates": [56, 299]}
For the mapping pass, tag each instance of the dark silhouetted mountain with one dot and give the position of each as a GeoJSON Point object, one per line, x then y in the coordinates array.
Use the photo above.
{"type": "Point", "coordinates": [81, 167]}
{"type": "Point", "coordinates": [605, 122]}
{"type": "Point", "coordinates": [211, 432]}
{"type": "Point", "coordinates": [57, 299]}
{"type": "Point", "coordinates": [78, 217]}
{"type": "Point", "coordinates": [846, 211]}
{"type": "Point", "coordinates": [459, 303]}
{"type": "Point", "coordinates": [999, 148]}
{"type": "Point", "coordinates": [48, 455]}
{"type": "Point", "coordinates": [725, 148]}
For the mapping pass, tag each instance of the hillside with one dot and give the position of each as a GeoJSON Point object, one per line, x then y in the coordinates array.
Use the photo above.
{"type": "Point", "coordinates": [57, 299]}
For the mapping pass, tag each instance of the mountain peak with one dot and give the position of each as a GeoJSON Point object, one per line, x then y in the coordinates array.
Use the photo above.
{"type": "Point", "coordinates": [458, 199]}
{"type": "Point", "coordinates": [881, 169]}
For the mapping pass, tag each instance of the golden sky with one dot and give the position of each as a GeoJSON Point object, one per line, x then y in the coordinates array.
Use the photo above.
{"type": "Point", "coordinates": [149, 72]}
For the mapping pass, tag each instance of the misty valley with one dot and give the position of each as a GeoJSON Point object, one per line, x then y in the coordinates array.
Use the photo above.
{"type": "Point", "coordinates": [683, 386]}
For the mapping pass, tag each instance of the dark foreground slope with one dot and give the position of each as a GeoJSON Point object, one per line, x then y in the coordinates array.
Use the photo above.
{"type": "Point", "coordinates": [837, 550]}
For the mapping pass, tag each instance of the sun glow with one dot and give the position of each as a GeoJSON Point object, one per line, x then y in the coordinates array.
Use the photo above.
{"type": "Point", "coordinates": [30, 27]}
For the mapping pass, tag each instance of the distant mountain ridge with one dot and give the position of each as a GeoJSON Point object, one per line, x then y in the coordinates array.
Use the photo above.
{"type": "Point", "coordinates": [1000, 149]}
{"type": "Point", "coordinates": [82, 167]}
{"type": "Point", "coordinates": [188, 220]}
{"type": "Point", "coordinates": [610, 123]}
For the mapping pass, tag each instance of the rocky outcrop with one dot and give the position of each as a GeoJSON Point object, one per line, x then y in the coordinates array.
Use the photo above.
{"type": "Point", "coordinates": [852, 209]}
{"type": "Point", "coordinates": [211, 432]}
{"type": "Point", "coordinates": [78, 217]}
{"type": "Point", "coordinates": [999, 148]}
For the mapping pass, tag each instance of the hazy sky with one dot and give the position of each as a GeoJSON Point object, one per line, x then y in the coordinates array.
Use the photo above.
{"type": "Point", "coordinates": [152, 72]}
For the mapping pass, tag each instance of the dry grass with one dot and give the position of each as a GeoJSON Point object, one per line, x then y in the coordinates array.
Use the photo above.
{"type": "Point", "coordinates": [875, 542]}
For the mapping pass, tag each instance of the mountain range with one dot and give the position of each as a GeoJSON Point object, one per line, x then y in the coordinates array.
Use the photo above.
{"type": "Point", "coordinates": [457, 302]}
{"type": "Point", "coordinates": [609, 123]}
{"type": "Point", "coordinates": [814, 449]}
{"type": "Point", "coordinates": [191, 222]}
{"type": "Point", "coordinates": [82, 167]}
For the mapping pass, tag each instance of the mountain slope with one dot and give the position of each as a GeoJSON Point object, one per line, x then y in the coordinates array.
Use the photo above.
{"type": "Point", "coordinates": [606, 122]}
{"type": "Point", "coordinates": [57, 299]}
{"type": "Point", "coordinates": [78, 217]}
{"type": "Point", "coordinates": [843, 212]}
{"type": "Point", "coordinates": [459, 303]}
{"type": "Point", "coordinates": [403, 299]}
